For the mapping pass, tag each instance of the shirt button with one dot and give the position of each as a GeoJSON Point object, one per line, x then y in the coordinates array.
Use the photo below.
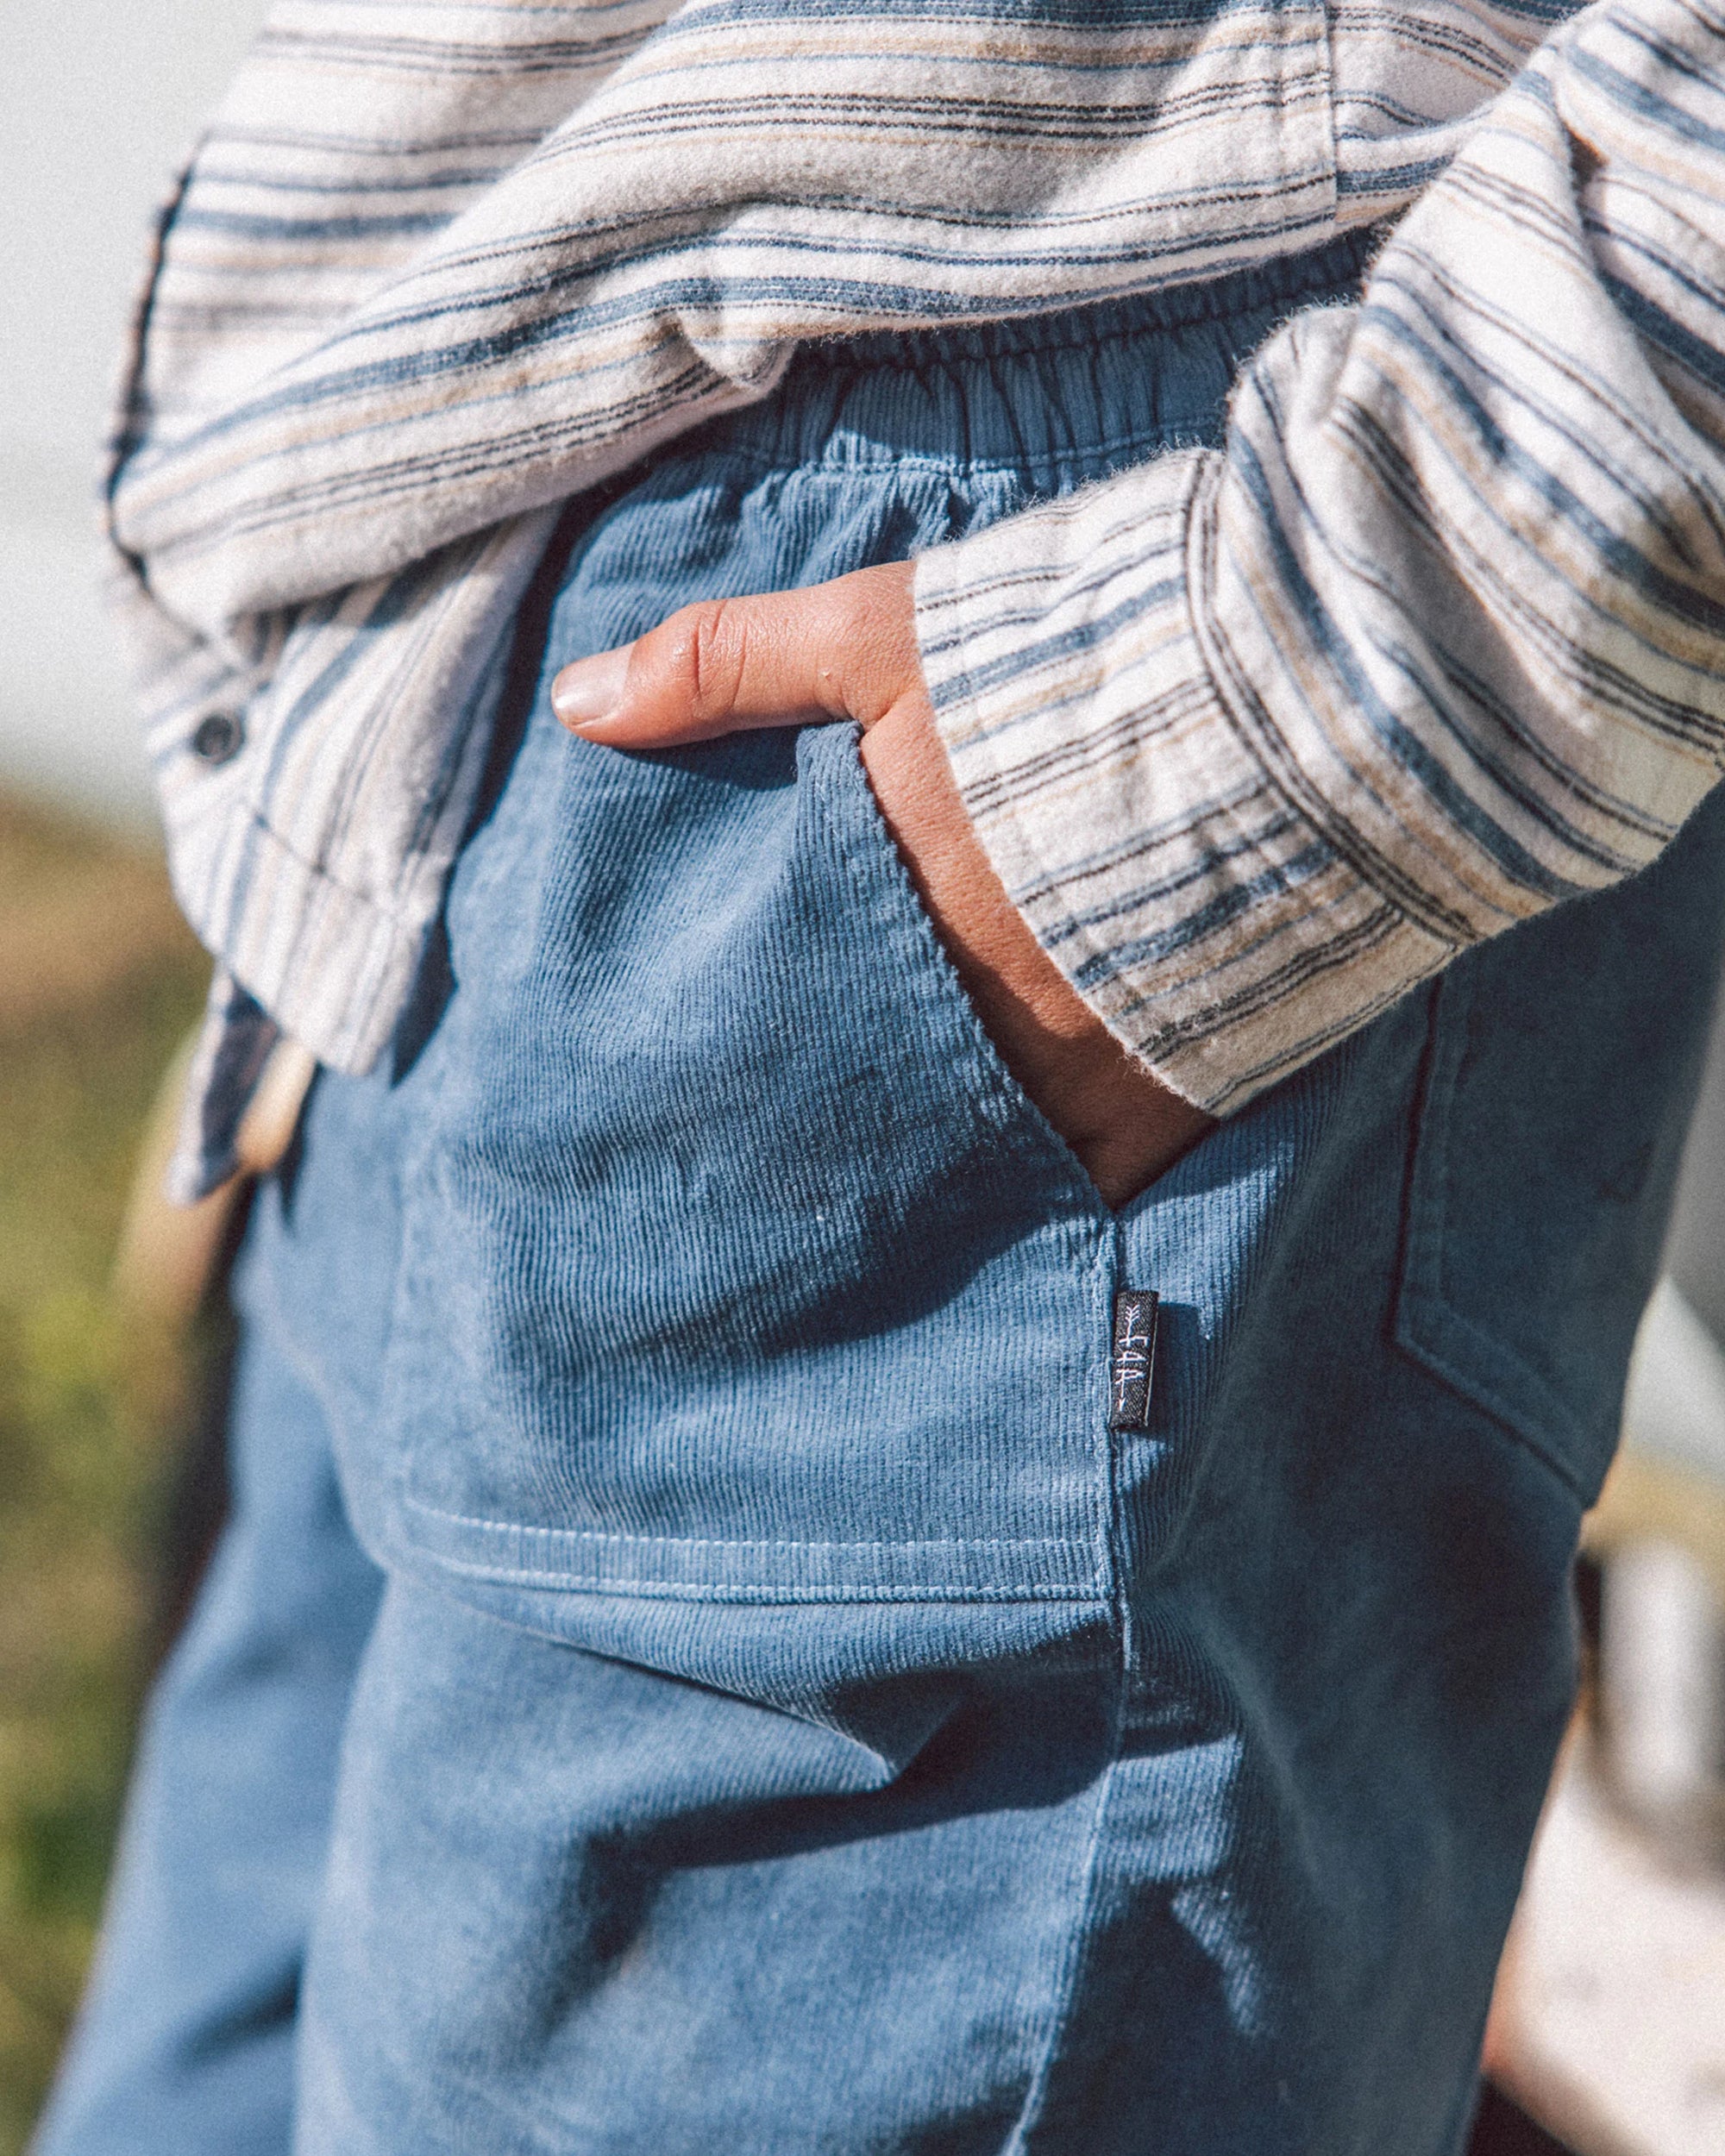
{"type": "Point", "coordinates": [217, 737]}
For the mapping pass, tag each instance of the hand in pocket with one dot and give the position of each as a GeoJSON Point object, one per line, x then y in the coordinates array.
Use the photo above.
{"type": "Point", "coordinates": [847, 650]}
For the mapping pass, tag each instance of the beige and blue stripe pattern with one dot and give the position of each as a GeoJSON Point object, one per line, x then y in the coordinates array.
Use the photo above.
{"type": "Point", "coordinates": [437, 267]}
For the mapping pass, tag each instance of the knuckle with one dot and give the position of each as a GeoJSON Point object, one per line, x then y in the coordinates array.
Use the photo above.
{"type": "Point", "coordinates": [714, 660]}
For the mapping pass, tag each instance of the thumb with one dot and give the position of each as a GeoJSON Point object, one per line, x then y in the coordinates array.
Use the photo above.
{"type": "Point", "coordinates": [846, 649]}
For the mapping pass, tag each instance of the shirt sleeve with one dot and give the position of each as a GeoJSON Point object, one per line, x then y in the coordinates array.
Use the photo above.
{"type": "Point", "coordinates": [1259, 737]}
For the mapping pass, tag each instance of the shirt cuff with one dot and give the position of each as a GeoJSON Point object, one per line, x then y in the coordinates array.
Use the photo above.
{"type": "Point", "coordinates": [1221, 934]}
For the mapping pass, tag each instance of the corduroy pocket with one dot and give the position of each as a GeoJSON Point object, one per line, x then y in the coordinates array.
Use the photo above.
{"type": "Point", "coordinates": [738, 1265]}
{"type": "Point", "coordinates": [1561, 1067]}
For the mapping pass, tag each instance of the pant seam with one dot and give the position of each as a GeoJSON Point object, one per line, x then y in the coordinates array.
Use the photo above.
{"type": "Point", "coordinates": [1031, 2117]}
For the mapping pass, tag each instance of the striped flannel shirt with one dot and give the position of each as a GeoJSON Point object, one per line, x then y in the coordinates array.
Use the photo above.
{"type": "Point", "coordinates": [1257, 737]}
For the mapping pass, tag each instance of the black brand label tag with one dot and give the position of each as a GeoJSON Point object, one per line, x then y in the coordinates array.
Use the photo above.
{"type": "Point", "coordinates": [1132, 1365]}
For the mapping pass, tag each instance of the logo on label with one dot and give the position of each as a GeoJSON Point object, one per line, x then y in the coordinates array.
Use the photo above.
{"type": "Point", "coordinates": [1131, 1366]}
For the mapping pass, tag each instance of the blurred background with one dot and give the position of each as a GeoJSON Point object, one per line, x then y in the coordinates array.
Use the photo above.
{"type": "Point", "coordinates": [1608, 2035]}
{"type": "Point", "coordinates": [98, 982]}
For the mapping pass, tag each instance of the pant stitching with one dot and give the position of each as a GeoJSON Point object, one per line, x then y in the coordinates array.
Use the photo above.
{"type": "Point", "coordinates": [1030, 2119]}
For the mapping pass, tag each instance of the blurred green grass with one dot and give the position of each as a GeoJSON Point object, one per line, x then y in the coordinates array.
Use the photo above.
{"type": "Point", "coordinates": [99, 980]}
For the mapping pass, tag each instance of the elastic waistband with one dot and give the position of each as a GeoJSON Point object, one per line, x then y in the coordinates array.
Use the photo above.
{"type": "Point", "coordinates": [1285, 283]}
{"type": "Point", "coordinates": [1057, 397]}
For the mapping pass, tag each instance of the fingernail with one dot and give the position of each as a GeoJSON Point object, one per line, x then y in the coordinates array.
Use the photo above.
{"type": "Point", "coordinates": [590, 689]}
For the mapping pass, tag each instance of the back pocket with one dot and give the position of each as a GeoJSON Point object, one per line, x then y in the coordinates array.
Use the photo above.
{"type": "Point", "coordinates": [1562, 1068]}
